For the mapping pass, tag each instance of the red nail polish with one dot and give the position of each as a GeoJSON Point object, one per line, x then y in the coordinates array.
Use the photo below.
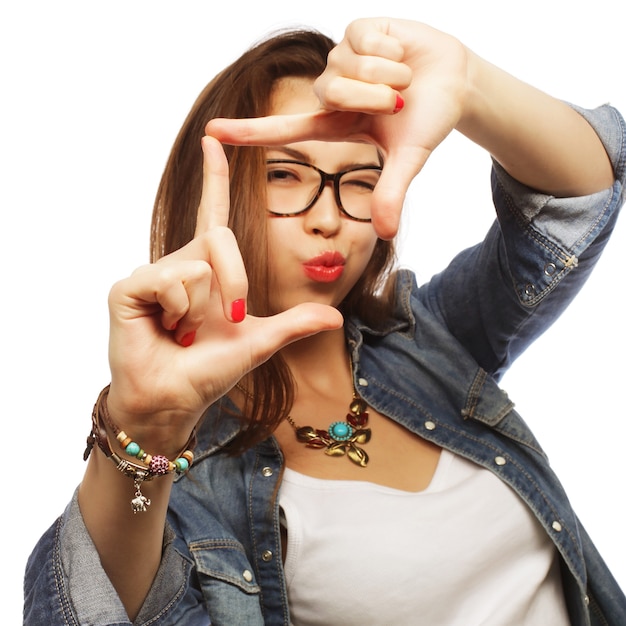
{"type": "Point", "coordinates": [399, 103]}
{"type": "Point", "coordinates": [238, 310]}
{"type": "Point", "coordinates": [187, 340]}
{"type": "Point", "coordinates": [174, 326]}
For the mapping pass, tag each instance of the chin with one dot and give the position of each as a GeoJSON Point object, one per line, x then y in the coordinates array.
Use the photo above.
{"type": "Point", "coordinates": [316, 296]}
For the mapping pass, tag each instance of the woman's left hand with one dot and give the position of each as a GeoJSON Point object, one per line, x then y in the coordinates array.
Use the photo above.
{"type": "Point", "coordinates": [398, 84]}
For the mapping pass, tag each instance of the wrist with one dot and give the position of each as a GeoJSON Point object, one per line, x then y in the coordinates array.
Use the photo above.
{"type": "Point", "coordinates": [158, 455]}
{"type": "Point", "coordinates": [148, 466]}
{"type": "Point", "coordinates": [165, 431]}
{"type": "Point", "coordinates": [473, 101]}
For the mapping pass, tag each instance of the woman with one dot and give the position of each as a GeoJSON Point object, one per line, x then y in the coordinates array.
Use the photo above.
{"type": "Point", "coordinates": [353, 460]}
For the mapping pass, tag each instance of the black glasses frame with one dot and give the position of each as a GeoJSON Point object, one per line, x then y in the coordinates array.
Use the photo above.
{"type": "Point", "coordinates": [325, 179]}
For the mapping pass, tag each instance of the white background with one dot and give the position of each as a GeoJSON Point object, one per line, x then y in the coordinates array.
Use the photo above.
{"type": "Point", "coordinates": [93, 94]}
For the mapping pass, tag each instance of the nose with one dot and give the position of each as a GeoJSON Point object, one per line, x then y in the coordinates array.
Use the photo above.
{"type": "Point", "coordinates": [324, 217]}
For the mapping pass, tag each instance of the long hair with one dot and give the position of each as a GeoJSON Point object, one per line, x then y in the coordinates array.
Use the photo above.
{"type": "Point", "coordinates": [242, 90]}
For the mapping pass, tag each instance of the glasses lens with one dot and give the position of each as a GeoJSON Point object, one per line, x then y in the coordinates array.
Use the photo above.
{"type": "Point", "coordinates": [292, 187]}
{"type": "Point", "coordinates": [355, 190]}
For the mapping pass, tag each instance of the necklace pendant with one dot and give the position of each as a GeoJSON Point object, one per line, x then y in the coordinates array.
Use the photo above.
{"type": "Point", "coordinates": [340, 431]}
{"type": "Point", "coordinates": [357, 420]}
{"type": "Point", "coordinates": [342, 438]}
{"type": "Point", "coordinates": [358, 456]}
{"type": "Point", "coordinates": [355, 453]}
{"type": "Point", "coordinates": [312, 437]}
{"type": "Point", "coordinates": [357, 406]}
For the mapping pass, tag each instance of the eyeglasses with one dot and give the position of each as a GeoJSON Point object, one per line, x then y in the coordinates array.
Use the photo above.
{"type": "Point", "coordinates": [293, 187]}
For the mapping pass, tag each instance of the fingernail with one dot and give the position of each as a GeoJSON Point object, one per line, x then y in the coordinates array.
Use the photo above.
{"type": "Point", "coordinates": [399, 103]}
{"type": "Point", "coordinates": [187, 340]}
{"type": "Point", "coordinates": [174, 326]}
{"type": "Point", "coordinates": [238, 310]}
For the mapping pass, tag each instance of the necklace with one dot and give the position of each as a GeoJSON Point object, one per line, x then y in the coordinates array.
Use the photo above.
{"type": "Point", "coordinates": [341, 438]}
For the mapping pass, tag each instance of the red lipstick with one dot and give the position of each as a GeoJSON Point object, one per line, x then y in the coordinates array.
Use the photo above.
{"type": "Point", "coordinates": [325, 268]}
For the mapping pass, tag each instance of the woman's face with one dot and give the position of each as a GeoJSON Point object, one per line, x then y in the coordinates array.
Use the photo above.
{"type": "Point", "coordinates": [319, 255]}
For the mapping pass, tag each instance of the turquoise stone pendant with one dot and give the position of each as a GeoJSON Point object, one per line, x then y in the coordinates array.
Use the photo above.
{"type": "Point", "coordinates": [341, 438]}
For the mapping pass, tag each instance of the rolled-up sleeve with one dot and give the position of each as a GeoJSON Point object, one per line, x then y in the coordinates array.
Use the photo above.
{"type": "Point", "coordinates": [544, 235]}
{"type": "Point", "coordinates": [66, 584]}
{"type": "Point", "coordinates": [497, 297]}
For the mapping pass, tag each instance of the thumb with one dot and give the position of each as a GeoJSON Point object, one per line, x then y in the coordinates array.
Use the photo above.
{"type": "Point", "coordinates": [399, 170]}
{"type": "Point", "coordinates": [278, 130]}
{"type": "Point", "coordinates": [301, 321]}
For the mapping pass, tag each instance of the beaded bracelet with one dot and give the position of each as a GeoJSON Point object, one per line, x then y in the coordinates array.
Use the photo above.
{"type": "Point", "coordinates": [152, 465]}
{"type": "Point", "coordinates": [158, 465]}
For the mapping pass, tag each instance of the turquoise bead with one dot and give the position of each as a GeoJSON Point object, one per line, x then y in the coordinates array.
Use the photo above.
{"type": "Point", "coordinates": [133, 448]}
{"type": "Point", "coordinates": [182, 465]}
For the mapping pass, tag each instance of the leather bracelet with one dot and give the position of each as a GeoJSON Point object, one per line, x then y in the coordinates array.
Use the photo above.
{"type": "Point", "coordinates": [139, 473]}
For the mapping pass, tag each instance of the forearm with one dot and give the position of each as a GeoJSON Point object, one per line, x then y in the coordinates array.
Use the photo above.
{"type": "Point", "coordinates": [539, 140]}
{"type": "Point", "coordinates": [129, 544]}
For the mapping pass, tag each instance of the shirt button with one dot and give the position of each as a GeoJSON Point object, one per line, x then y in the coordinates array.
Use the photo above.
{"type": "Point", "coordinates": [500, 460]}
{"type": "Point", "coordinates": [363, 382]}
{"type": "Point", "coordinates": [267, 472]}
{"type": "Point", "coordinates": [557, 526]}
{"type": "Point", "coordinates": [267, 556]}
{"type": "Point", "coordinates": [430, 425]}
{"type": "Point", "coordinates": [586, 600]}
{"type": "Point", "coordinates": [247, 575]}
{"type": "Point", "coordinates": [529, 290]}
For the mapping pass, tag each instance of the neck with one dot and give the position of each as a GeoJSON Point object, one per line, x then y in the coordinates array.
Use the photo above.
{"type": "Point", "coordinates": [320, 360]}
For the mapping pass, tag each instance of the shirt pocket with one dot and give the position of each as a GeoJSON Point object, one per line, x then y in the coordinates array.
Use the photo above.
{"type": "Point", "coordinates": [225, 562]}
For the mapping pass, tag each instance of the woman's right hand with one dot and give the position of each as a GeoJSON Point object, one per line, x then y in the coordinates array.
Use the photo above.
{"type": "Point", "coordinates": [377, 60]}
{"type": "Point", "coordinates": [179, 336]}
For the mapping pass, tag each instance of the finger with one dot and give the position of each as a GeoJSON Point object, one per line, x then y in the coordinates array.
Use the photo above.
{"type": "Point", "coordinates": [339, 93]}
{"type": "Point", "coordinates": [399, 170]}
{"type": "Point", "coordinates": [274, 130]}
{"type": "Point", "coordinates": [218, 247]}
{"type": "Point", "coordinates": [215, 199]}
{"type": "Point", "coordinates": [367, 69]}
{"type": "Point", "coordinates": [279, 130]}
{"type": "Point", "coordinates": [197, 288]}
{"type": "Point", "coordinates": [292, 325]}
{"type": "Point", "coordinates": [370, 36]}
{"type": "Point", "coordinates": [230, 272]}
{"type": "Point", "coordinates": [160, 287]}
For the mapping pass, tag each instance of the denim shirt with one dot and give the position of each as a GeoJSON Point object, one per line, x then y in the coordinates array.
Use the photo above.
{"type": "Point", "coordinates": [433, 368]}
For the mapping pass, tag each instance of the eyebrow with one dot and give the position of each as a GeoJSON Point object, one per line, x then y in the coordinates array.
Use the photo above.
{"type": "Point", "coordinates": [303, 156]}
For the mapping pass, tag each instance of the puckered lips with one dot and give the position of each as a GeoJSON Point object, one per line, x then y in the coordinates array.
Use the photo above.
{"type": "Point", "coordinates": [325, 268]}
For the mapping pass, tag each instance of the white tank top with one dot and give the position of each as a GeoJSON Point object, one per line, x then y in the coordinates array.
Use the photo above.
{"type": "Point", "coordinates": [464, 552]}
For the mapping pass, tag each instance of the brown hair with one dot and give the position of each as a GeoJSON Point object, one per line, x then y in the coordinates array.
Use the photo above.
{"type": "Point", "coordinates": [244, 89]}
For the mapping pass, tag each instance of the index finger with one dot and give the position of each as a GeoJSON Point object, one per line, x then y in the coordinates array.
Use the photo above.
{"type": "Point", "coordinates": [215, 199]}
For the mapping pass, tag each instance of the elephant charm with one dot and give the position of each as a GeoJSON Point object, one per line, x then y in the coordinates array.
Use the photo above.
{"type": "Point", "coordinates": [139, 503]}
